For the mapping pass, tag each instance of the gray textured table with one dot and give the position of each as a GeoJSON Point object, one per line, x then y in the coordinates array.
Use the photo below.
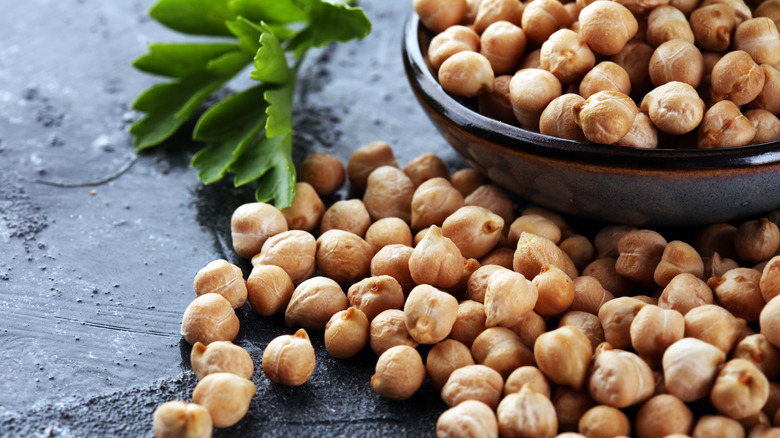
{"type": "Point", "coordinates": [98, 246]}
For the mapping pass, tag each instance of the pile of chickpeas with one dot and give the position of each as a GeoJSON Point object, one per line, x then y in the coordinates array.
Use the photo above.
{"type": "Point", "coordinates": [637, 73]}
{"type": "Point", "coordinates": [527, 328]}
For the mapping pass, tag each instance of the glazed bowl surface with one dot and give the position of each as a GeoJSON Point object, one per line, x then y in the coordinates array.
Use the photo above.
{"type": "Point", "coordinates": [641, 187]}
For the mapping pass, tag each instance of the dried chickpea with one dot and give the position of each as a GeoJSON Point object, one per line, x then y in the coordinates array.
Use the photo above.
{"type": "Point", "coordinates": [527, 375]}
{"type": "Point", "coordinates": [767, 126]}
{"type": "Point", "coordinates": [467, 180]}
{"type": "Point", "coordinates": [607, 238]}
{"type": "Point", "coordinates": [526, 414]}
{"type": "Point", "coordinates": [226, 396]}
{"type": "Point", "coordinates": [643, 134]}
{"type": "Point", "coordinates": [399, 373]}
{"type": "Point", "coordinates": [759, 38]}
{"type": "Point", "coordinates": [740, 390]}
{"type": "Point", "coordinates": [712, 426]}
{"type": "Point", "coordinates": [508, 297]}
{"type": "Point", "coordinates": [616, 317]}
{"type": "Point", "coordinates": [533, 252]}
{"type": "Point", "coordinates": [674, 107]}
{"type": "Point", "coordinates": [473, 382]}
{"type": "Point", "coordinates": [606, 75]}
{"type": "Point", "coordinates": [739, 292]}
{"type": "Point", "coordinates": [433, 201]}
{"type": "Point", "coordinates": [502, 256]}
{"type": "Point", "coordinates": [736, 77]}
{"type": "Point", "coordinates": [503, 44]}
{"type": "Point", "coordinates": [474, 230]}
{"type": "Point", "coordinates": [444, 358]}
{"type": "Point", "coordinates": [209, 318]}
{"type": "Point", "coordinates": [501, 349]}
{"type": "Point", "coordinates": [438, 15]}
{"type": "Point", "coordinates": [678, 257]}
{"type": "Point", "coordinates": [685, 6]}
{"type": "Point", "coordinates": [713, 26]}
{"type": "Point", "coordinates": [376, 294]}
{"type": "Point", "coordinates": [425, 167]}
{"type": "Point", "coordinates": [718, 237]}
{"type": "Point", "coordinates": [769, 284]}
{"type": "Point", "coordinates": [634, 58]}
{"type": "Point", "coordinates": [530, 328]}
{"type": "Point", "coordinates": [570, 406]}
{"type": "Point", "coordinates": [477, 283]}
{"type": "Point", "coordinates": [323, 171]}
{"type": "Point", "coordinates": [684, 292]}
{"type": "Point", "coordinates": [222, 278]}
{"type": "Point", "coordinates": [494, 199]}
{"type": "Point", "coordinates": [251, 224]}
{"type": "Point", "coordinates": [314, 302]}
{"type": "Point", "coordinates": [542, 19]}
{"type": "Point", "coordinates": [430, 314]}
{"type": "Point", "coordinates": [757, 349]}
{"type": "Point", "coordinates": [725, 126]}
{"type": "Point", "coordinates": [757, 241]}
{"type": "Point", "coordinates": [770, 321]}
{"type": "Point", "coordinates": [346, 333]}
{"type": "Point", "coordinates": [587, 323]}
{"type": "Point", "coordinates": [490, 11]}
{"type": "Point", "coordinates": [605, 117]}
{"type": "Point", "coordinates": [535, 224]}
{"type": "Point", "coordinates": [676, 60]}
{"type": "Point", "coordinates": [221, 357]}
{"type": "Point", "coordinates": [343, 256]}
{"type": "Point", "coordinates": [768, 8]}
{"type": "Point", "coordinates": [564, 355]}
{"type": "Point", "coordinates": [620, 379]}
{"type": "Point", "coordinates": [180, 419]}
{"type": "Point", "coordinates": [666, 23]}
{"type": "Point", "coordinates": [466, 74]}
{"type": "Point", "coordinates": [566, 55]}
{"type": "Point", "coordinates": [557, 119]}
{"type": "Point", "coordinates": [640, 251]}
{"type": "Point", "coordinates": [388, 193]}
{"type": "Point", "coordinates": [497, 105]}
{"type": "Point", "coordinates": [579, 249]}
{"type": "Point", "coordinates": [469, 323]}
{"type": "Point", "coordinates": [607, 27]}
{"type": "Point", "coordinates": [741, 9]}
{"type": "Point", "coordinates": [306, 210]}
{"type": "Point", "coordinates": [387, 330]}
{"type": "Point", "coordinates": [604, 421]}
{"type": "Point", "coordinates": [653, 330]}
{"type": "Point", "coordinates": [555, 290]}
{"type": "Point", "coordinates": [365, 160]}
{"type": "Point", "coordinates": [663, 415]}
{"type": "Point", "coordinates": [468, 419]}
{"type": "Point", "coordinates": [295, 251]}
{"type": "Point", "coordinates": [589, 295]}
{"type": "Point", "coordinates": [388, 231]}
{"type": "Point", "coordinates": [530, 91]}
{"type": "Point", "coordinates": [716, 266]}
{"type": "Point", "coordinates": [348, 215]}
{"type": "Point", "coordinates": [269, 289]}
{"type": "Point", "coordinates": [289, 359]}
{"type": "Point", "coordinates": [436, 260]}
{"type": "Point", "coordinates": [715, 325]}
{"type": "Point", "coordinates": [452, 40]}
{"type": "Point", "coordinates": [603, 270]}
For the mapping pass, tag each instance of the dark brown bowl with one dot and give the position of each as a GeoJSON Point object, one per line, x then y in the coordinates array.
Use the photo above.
{"type": "Point", "coordinates": [660, 187]}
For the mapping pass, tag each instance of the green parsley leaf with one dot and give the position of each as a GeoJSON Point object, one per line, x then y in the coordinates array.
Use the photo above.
{"type": "Point", "coordinates": [270, 62]}
{"type": "Point", "coordinates": [270, 11]}
{"type": "Point", "coordinates": [194, 17]}
{"type": "Point", "coordinates": [176, 60]}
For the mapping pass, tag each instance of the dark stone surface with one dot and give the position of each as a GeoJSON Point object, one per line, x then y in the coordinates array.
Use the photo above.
{"type": "Point", "coordinates": [98, 246]}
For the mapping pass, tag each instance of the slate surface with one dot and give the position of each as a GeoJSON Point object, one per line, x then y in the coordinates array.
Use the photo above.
{"type": "Point", "coordinates": [98, 246]}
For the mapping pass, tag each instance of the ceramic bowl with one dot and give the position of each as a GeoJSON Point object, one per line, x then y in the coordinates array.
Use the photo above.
{"type": "Point", "coordinates": [660, 187]}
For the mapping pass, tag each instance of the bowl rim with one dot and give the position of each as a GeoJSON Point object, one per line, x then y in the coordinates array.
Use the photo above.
{"type": "Point", "coordinates": [427, 89]}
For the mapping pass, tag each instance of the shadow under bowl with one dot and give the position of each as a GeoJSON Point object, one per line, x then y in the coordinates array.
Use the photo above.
{"type": "Point", "coordinates": [641, 187]}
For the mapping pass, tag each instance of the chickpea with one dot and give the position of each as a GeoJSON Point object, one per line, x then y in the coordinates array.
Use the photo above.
{"type": "Point", "coordinates": [757, 241]}
{"type": "Point", "coordinates": [767, 126]}
{"type": "Point", "coordinates": [346, 333]}
{"type": "Point", "coordinates": [606, 75]}
{"type": "Point", "coordinates": [643, 134]}
{"type": "Point", "coordinates": [526, 414]}
{"type": "Point", "coordinates": [388, 231]}
{"type": "Point", "coordinates": [664, 415]}
{"type": "Point", "coordinates": [606, 116]}
{"type": "Point", "coordinates": [684, 292]}
{"type": "Point", "coordinates": [430, 314]}
{"type": "Point", "coordinates": [535, 224]}
{"type": "Point", "coordinates": [436, 260]}
{"type": "Point", "coordinates": [269, 289]}
{"type": "Point", "coordinates": [690, 366]}
{"type": "Point", "coordinates": [555, 290]}
{"type": "Point", "coordinates": [469, 323]}
{"type": "Point", "coordinates": [620, 379]}
{"type": "Point", "coordinates": [491, 11]}
{"type": "Point", "coordinates": [634, 58]}
{"type": "Point", "coordinates": [666, 23]}
{"type": "Point", "coordinates": [209, 318]}
{"type": "Point", "coordinates": [674, 107]}
{"type": "Point", "coordinates": [306, 210]}
{"type": "Point", "coordinates": [365, 160]}
{"type": "Point", "coordinates": [226, 396]}
{"type": "Point", "coordinates": [607, 238]}
{"type": "Point", "coordinates": [685, 6]}
{"type": "Point", "coordinates": [473, 382]}
{"type": "Point", "coordinates": [678, 257]}
{"type": "Point", "coordinates": [503, 44]}
{"type": "Point", "coordinates": [389, 193]}
{"type": "Point", "coordinates": [570, 406]}
{"type": "Point", "coordinates": [289, 359]}
{"type": "Point", "coordinates": [676, 60]}
{"type": "Point", "coordinates": [769, 283]}
{"type": "Point", "coordinates": [724, 126]}
{"type": "Point", "coordinates": [603, 270]}
{"type": "Point", "coordinates": [757, 349]}
{"type": "Point", "coordinates": [467, 180]}
{"type": "Point", "coordinates": [221, 357]}
{"type": "Point", "coordinates": [393, 260]}
{"type": "Point", "coordinates": [399, 373]}
{"type": "Point", "coordinates": [718, 238]}
{"type": "Point", "coordinates": [769, 321]}
{"type": "Point", "coordinates": [587, 323]}
{"type": "Point", "coordinates": [713, 26]}
{"type": "Point", "coordinates": [530, 327]}
{"type": "Point", "coordinates": [715, 325]}
{"type": "Point", "coordinates": [738, 291]}
{"type": "Point", "coordinates": [222, 278]}
{"type": "Point", "coordinates": [589, 295]}
{"type": "Point", "coordinates": [604, 422]}
{"type": "Point", "coordinates": [294, 251]}
{"type": "Point", "coordinates": [494, 199]}
{"type": "Point", "coordinates": [640, 251]}
{"type": "Point", "coordinates": [499, 256]}
{"type": "Point", "coordinates": [564, 355]}
{"type": "Point", "coordinates": [768, 8]}
{"type": "Point", "coordinates": [531, 90]}
{"type": "Point", "coordinates": [711, 426]}
{"type": "Point", "coordinates": [654, 329]}
{"type": "Point", "coordinates": [470, 418]}
{"type": "Point", "coordinates": [579, 249]}
{"type": "Point", "coordinates": [387, 330]}
{"type": "Point", "coordinates": [375, 294]}
{"type": "Point", "coordinates": [759, 38]}
{"type": "Point", "coordinates": [566, 55]}
{"type": "Point", "coordinates": [496, 105]}
{"type": "Point", "coordinates": [425, 167]}
{"type": "Point", "coordinates": [314, 302]}
{"type": "Point", "coordinates": [433, 201]}
{"type": "Point", "coordinates": [616, 317]}
{"type": "Point", "coordinates": [508, 297]}
{"type": "Point", "coordinates": [323, 171]}
{"type": "Point", "coordinates": [716, 266]}
{"type": "Point", "coordinates": [474, 230]}
{"type": "Point", "coordinates": [438, 15]}
{"type": "Point", "coordinates": [444, 358]}
{"type": "Point", "coordinates": [501, 349]}
{"type": "Point", "coordinates": [251, 224]}
{"type": "Point", "coordinates": [533, 252]}
{"type": "Point", "coordinates": [542, 19]}
{"type": "Point", "coordinates": [527, 375]}
{"type": "Point", "coordinates": [343, 256]}
{"type": "Point", "coordinates": [180, 419]}
{"type": "Point", "coordinates": [477, 283]}
{"type": "Point", "coordinates": [736, 77]}
{"type": "Point", "coordinates": [607, 27]}
{"type": "Point", "coordinates": [348, 215]}
{"type": "Point", "coordinates": [557, 119]}
{"type": "Point", "coordinates": [466, 74]}
{"type": "Point", "coordinates": [740, 390]}
{"type": "Point", "coordinates": [452, 40]}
